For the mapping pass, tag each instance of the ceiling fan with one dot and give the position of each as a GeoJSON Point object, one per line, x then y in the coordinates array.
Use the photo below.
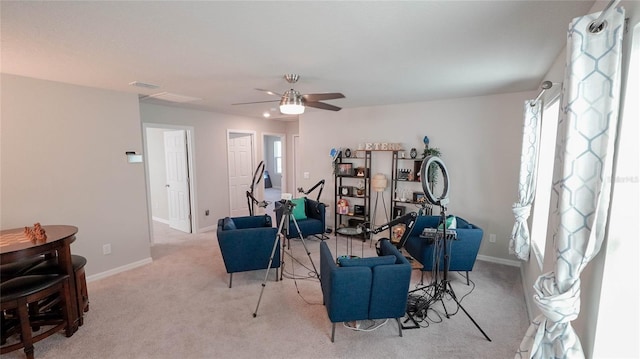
{"type": "Point", "coordinates": [293, 102]}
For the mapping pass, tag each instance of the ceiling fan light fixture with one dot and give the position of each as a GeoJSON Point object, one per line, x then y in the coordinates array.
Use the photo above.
{"type": "Point", "coordinates": [291, 103]}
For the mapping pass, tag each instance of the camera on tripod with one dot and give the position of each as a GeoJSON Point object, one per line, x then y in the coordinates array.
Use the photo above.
{"type": "Point", "coordinates": [287, 205]}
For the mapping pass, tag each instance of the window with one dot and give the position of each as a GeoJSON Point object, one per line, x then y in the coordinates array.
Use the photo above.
{"type": "Point", "coordinates": [277, 156]}
{"type": "Point", "coordinates": [541, 203]}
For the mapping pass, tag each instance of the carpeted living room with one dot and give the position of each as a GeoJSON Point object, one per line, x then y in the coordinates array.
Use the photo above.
{"type": "Point", "coordinates": [462, 177]}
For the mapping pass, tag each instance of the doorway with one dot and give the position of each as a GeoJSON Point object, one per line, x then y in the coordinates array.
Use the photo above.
{"type": "Point", "coordinates": [241, 164]}
{"type": "Point", "coordinates": [169, 168]}
{"type": "Point", "coordinates": [275, 173]}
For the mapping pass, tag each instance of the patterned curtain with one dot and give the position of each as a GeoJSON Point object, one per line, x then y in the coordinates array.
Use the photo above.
{"type": "Point", "coordinates": [520, 242]}
{"type": "Point", "coordinates": [581, 185]}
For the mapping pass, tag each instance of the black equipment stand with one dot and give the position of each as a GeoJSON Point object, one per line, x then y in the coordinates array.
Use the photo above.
{"type": "Point", "coordinates": [442, 287]}
{"type": "Point", "coordinates": [306, 193]}
{"type": "Point", "coordinates": [251, 200]}
{"type": "Point", "coordinates": [257, 177]}
{"type": "Point", "coordinates": [283, 229]}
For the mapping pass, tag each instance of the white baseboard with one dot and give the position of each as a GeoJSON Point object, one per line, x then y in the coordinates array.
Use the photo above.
{"type": "Point", "coordinates": [161, 220]}
{"type": "Point", "coordinates": [121, 269]}
{"type": "Point", "coordinates": [207, 229]}
{"type": "Point", "coordinates": [528, 297]}
{"type": "Point", "coordinates": [509, 262]}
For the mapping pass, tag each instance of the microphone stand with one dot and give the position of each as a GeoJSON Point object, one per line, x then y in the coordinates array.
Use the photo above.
{"type": "Point", "coordinates": [320, 183]}
{"type": "Point", "coordinates": [252, 201]}
{"type": "Point", "coordinates": [306, 193]}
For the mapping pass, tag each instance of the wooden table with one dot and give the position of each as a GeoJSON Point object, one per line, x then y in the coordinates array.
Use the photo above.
{"type": "Point", "coordinates": [15, 246]}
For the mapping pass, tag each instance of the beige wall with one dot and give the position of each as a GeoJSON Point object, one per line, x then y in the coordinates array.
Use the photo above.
{"type": "Point", "coordinates": [210, 147]}
{"type": "Point", "coordinates": [480, 140]}
{"type": "Point", "coordinates": [63, 162]}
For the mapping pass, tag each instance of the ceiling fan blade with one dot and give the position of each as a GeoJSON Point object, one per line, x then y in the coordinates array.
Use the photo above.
{"type": "Point", "coordinates": [249, 103]}
{"type": "Point", "coordinates": [322, 96]}
{"type": "Point", "coordinates": [269, 92]}
{"type": "Point", "coordinates": [322, 105]}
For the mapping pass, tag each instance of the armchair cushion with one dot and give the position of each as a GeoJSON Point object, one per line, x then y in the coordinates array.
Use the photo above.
{"type": "Point", "coordinates": [313, 224]}
{"type": "Point", "coordinates": [298, 211]}
{"type": "Point", "coordinates": [228, 224]}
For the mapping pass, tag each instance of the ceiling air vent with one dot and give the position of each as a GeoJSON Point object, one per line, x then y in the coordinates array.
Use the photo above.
{"type": "Point", "coordinates": [143, 85]}
{"type": "Point", "coordinates": [172, 97]}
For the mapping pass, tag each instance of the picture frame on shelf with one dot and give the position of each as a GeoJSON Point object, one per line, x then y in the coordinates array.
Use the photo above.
{"type": "Point", "coordinates": [398, 211]}
{"type": "Point", "coordinates": [419, 197]}
{"type": "Point", "coordinates": [345, 169]}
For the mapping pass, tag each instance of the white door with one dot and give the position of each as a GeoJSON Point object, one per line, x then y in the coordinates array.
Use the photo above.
{"type": "Point", "coordinates": [175, 148]}
{"type": "Point", "coordinates": [240, 150]}
{"type": "Point", "coordinates": [296, 162]}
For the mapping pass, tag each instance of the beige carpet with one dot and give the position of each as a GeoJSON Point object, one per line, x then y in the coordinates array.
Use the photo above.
{"type": "Point", "coordinates": [180, 307]}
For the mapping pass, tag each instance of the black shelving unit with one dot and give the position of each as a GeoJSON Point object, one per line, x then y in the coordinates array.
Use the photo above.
{"type": "Point", "coordinates": [360, 159]}
{"type": "Point", "coordinates": [412, 164]}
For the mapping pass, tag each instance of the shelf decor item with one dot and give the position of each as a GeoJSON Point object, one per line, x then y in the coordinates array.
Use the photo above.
{"type": "Point", "coordinates": [360, 188]}
{"type": "Point", "coordinates": [335, 154]}
{"type": "Point", "coordinates": [345, 169]}
{"type": "Point", "coordinates": [413, 153]}
{"type": "Point", "coordinates": [432, 173]}
{"type": "Point", "coordinates": [346, 190]}
{"type": "Point", "coordinates": [343, 206]}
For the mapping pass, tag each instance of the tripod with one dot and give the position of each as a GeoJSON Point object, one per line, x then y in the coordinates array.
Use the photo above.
{"type": "Point", "coordinates": [443, 287]}
{"type": "Point", "coordinates": [281, 234]}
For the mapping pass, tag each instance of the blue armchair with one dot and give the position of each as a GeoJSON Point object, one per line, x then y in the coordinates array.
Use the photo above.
{"type": "Point", "coordinates": [311, 221]}
{"type": "Point", "coordinates": [464, 249]}
{"type": "Point", "coordinates": [365, 288]}
{"type": "Point", "coordinates": [246, 244]}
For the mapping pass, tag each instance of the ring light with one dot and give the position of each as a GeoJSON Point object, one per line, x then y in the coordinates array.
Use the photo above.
{"type": "Point", "coordinates": [426, 163]}
{"type": "Point", "coordinates": [260, 169]}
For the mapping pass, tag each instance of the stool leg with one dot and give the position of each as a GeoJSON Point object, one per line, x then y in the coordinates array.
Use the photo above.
{"type": "Point", "coordinates": [66, 308]}
{"type": "Point", "coordinates": [81, 294]}
{"type": "Point", "coordinates": [33, 312]}
{"type": "Point", "coordinates": [25, 328]}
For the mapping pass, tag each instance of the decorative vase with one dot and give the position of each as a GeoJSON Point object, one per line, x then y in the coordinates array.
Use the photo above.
{"type": "Point", "coordinates": [413, 153]}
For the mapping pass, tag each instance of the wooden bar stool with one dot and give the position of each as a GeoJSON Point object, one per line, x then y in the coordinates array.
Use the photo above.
{"type": "Point", "coordinates": [16, 296]}
{"type": "Point", "coordinates": [15, 269]}
{"type": "Point", "coordinates": [50, 266]}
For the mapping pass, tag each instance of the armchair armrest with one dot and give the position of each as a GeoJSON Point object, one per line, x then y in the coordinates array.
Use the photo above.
{"type": "Point", "coordinates": [315, 210]}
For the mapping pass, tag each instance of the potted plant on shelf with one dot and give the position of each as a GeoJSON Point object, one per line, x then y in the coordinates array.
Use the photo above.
{"type": "Point", "coordinates": [432, 172]}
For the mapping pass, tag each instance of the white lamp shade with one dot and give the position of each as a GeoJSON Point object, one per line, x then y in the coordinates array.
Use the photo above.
{"type": "Point", "coordinates": [379, 182]}
{"type": "Point", "coordinates": [291, 103]}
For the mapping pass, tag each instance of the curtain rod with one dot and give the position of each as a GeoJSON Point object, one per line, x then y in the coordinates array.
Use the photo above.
{"type": "Point", "coordinates": [545, 86]}
{"type": "Point", "coordinates": [597, 25]}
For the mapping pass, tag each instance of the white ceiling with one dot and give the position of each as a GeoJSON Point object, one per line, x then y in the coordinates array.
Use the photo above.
{"type": "Point", "coordinates": [375, 53]}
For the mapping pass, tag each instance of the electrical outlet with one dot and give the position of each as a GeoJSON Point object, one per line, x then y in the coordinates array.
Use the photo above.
{"type": "Point", "coordinates": [492, 238]}
{"type": "Point", "coordinates": [106, 249]}
{"type": "Point", "coordinates": [305, 175]}
{"type": "Point", "coordinates": [206, 212]}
